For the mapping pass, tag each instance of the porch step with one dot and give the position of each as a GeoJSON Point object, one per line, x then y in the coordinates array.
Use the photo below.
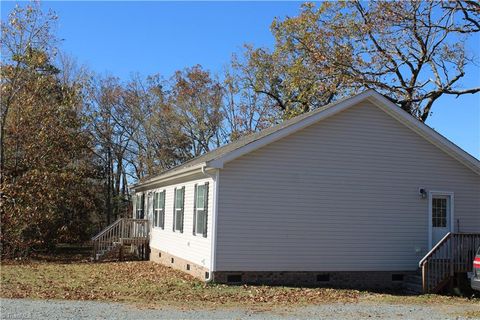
{"type": "Point", "coordinates": [111, 243]}
{"type": "Point", "coordinates": [452, 255]}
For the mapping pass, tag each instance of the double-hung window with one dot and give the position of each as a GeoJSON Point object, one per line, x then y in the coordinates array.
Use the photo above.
{"type": "Point", "coordinates": [139, 205]}
{"type": "Point", "coordinates": [159, 209]}
{"type": "Point", "coordinates": [200, 212]}
{"type": "Point", "coordinates": [178, 206]}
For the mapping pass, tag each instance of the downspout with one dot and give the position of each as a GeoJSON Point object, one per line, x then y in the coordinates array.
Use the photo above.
{"type": "Point", "coordinates": [214, 221]}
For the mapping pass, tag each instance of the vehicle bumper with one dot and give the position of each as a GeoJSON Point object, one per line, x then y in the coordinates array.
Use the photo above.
{"type": "Point", "coordinates": [475, 283]}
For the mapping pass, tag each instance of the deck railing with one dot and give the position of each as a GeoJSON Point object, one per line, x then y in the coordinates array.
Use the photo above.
{"type": "Point", "coordinates": [453, 254]}
{"type": "Point", "coordinates": [122, 231]}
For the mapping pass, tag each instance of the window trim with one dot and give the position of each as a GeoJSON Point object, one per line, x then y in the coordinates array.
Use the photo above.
{"type": "Point", "coordinates": [431, 195]}
{"type": "Point", "coordinates": [205, 209]}
{"type": "Point", "coordinates": [140, 198]}
{"type": "Point", "coordinates": [159, 211]}
{"type": "Point", "coordinates": [177, 210]}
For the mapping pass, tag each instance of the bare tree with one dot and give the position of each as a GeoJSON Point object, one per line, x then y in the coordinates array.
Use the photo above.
{"type": "Point", "coordinates": [108, 126]}
{"type": "Point", "coordinates": [197, 99]}
{"type": "Point", "coordinates": [414, 52]}
{"type": "Point", "coordinates": [245, 110]}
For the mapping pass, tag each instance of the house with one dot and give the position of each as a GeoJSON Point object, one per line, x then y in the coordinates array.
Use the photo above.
{"type": "Point", "coordinates": [354, 194]}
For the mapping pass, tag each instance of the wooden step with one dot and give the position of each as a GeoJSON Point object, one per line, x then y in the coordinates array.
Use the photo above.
{"type": "Point", "coordinates": [451, 255]}
{"type": "Point", "coordinates": [110, 241]}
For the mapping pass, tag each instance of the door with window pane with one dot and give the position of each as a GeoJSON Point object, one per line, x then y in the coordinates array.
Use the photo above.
{"type": "Point", "coordinates": [441, 217]}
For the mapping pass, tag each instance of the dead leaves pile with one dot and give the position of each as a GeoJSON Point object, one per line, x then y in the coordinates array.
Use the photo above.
{"type": "Point", "coordinates": [149, 283]}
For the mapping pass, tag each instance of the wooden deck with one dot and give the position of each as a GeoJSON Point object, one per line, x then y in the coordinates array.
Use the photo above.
{"type": "Point", "coordinates": [452, 255]}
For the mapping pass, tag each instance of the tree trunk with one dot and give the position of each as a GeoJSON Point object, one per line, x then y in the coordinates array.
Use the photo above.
{"type": "Point", "coordinates": [2, 149]}
{"type": "Point", "coordinates": [108, 187]}
{"type": "Point", "coordinates": [1, 155]}
{"type": "Point", "coordinates": [118, 180]}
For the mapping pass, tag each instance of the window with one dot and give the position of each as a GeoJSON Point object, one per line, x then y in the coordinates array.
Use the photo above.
{"type": "Point", "coordinates": [200, 210]}
{"type": "Point", "coordinates": [159, 209]}
{"type": "Point", "coordinates": [178, 209]}
{"type": "Point", "coordinates": [439, 212]}
{"type": "Point", "coordinates": [139, 205]}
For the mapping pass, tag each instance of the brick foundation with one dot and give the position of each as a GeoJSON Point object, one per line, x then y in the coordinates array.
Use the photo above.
{"type": "Point", "coordinates": [361, 280]}
{"type": "Point", "coordinates": [366, 280]}
{"type": "Point", "coordinates": [178, 263]}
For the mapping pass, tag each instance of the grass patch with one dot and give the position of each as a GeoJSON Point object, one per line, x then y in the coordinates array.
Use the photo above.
{"type": "Point", "coordinates": [146, 283]}
{"type": "Point", "coordinates": [153, 284]}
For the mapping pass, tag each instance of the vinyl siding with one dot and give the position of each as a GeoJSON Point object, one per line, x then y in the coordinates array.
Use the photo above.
{"type": "Point", "coordinates": [340, 195]}
{"type": "Point", "coordinates": [193, 248]}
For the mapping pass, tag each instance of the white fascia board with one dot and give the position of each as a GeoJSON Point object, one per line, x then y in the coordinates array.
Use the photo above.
{"type": "Point", "coordinates": [426, 132]}
{"type": "Point", "coordinates": [168, 176]}
{"type": "Point", "coordinates": [219, 162]}
{"type": "Point", "coordinates": [380, 101]}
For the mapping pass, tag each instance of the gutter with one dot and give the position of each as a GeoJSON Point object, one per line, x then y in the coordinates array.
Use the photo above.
{"type": "Point", "coordinates": [168, 176]}
{"type": "Point", "coordinates": [214, 221]}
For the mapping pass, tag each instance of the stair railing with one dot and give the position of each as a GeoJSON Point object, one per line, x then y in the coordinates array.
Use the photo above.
{"type": "Point", "coordinates": [453, 254]}
{"type": "Point", "coordinates": [117, 232]}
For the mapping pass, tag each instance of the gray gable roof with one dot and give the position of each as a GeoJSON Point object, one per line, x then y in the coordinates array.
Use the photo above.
{"type": "Point", "coordinates": [404, 117]}
{"type": "Point", "coordinates": [243, 141]}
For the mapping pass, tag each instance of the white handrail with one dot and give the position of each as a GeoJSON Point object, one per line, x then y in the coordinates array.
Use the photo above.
{"type": "Point", "coordinates": [106, 229]}
{"type": "Point", "coordinates": [120, 229]}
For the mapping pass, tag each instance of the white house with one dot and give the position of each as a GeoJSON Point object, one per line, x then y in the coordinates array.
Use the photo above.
{"type": "Point", "coordinates": [354, 194]}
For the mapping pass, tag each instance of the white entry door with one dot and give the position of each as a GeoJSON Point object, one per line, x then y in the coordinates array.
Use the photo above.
{"type": "Point", "coordinates": [441, 214]}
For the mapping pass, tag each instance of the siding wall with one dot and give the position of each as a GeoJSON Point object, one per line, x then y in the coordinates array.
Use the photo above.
{"type": "Point", "coordinates": [340, 195]}
{"type": "Point", "coordinates": [193, 248]}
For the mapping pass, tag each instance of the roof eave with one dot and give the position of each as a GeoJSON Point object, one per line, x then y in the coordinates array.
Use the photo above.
{"type": "Point", "coordinates": [380, 101]}
{"type": "Point", "coordinates": [371, 95]}
{"type": "Point", "coordinates": [168, 176]}
{"type": "Point", "coordinates": [426, 132]}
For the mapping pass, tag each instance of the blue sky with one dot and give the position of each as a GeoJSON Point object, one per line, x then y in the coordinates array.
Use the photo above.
{"type": "Point", "coordinates": [120, 38]}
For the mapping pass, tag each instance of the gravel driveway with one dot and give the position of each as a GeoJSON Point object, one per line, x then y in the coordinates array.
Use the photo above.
{"type": "Point", "coordinates": [55, 309]}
